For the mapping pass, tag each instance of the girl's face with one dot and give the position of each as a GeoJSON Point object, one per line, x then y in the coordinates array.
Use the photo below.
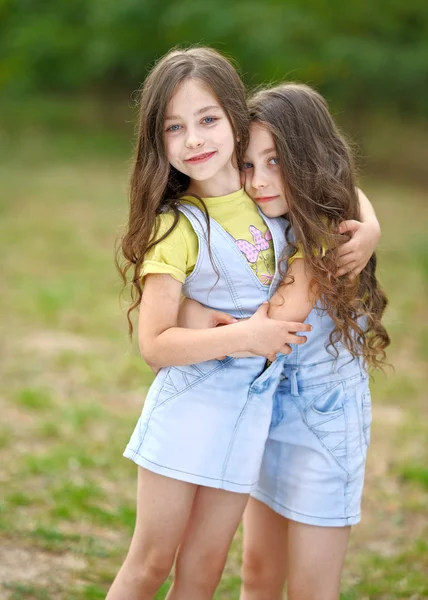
{"type": "Point", "coordinates": [199, 139]}
{"type": "Point", "coordinates": [263, 181]}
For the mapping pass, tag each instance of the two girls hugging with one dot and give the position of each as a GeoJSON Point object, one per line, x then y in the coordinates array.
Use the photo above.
{"type": "Point", "coordinates": [246, 213]}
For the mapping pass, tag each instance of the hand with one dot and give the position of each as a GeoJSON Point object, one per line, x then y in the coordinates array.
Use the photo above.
{"type": "Point", "coordinates": [267, 337]}
{"type": "Point", "coordinates": [355, 253]}
{"type": "Point", "coordinates": [193, 315]}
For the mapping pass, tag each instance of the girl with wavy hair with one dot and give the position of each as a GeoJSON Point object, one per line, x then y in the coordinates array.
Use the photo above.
{"type": "Point", "coordinates": [298, 519]}
{"type": "Point", "coordinates": [192, 230]}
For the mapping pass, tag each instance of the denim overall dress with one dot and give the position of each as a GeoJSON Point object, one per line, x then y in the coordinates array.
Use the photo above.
{"type": "Point", "coordinates": [314, 461]}
{"type": "Point", "coordinates": [207, 423]}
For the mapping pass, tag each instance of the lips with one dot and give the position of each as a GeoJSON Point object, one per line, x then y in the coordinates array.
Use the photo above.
{"type": "Point", "coordinates": [266, 199]}
{"type": "Point", "coordinates": [194, 160]}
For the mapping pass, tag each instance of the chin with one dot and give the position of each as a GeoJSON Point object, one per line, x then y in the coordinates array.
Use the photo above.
{"type": "Point", "coordinates": [273, 212]}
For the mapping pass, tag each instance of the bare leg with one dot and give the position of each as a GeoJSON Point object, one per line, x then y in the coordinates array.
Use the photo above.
{"type": "Point", "coordinates": [200, 562]}
{"type": "Point", "coordinates": [315, 561]}
{"type": "Point", "coordinates": [163, 509]}
{"type": "Point", "coordinates": [264, 568]}
{"type": "Point", "coordinates": [276, 549]}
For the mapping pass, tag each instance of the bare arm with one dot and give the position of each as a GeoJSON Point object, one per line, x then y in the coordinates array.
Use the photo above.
{"type": "Point", "coordinates": [367, 212]}
{"type": "Point", "coordinates": [163, 343]}
{"type": "Point", "coordinates": [293, 301]}
{"type": "Point", "coordinates": [364, 237]}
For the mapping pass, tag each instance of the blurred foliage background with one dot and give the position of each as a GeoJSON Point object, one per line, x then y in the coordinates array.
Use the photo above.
{"type": "Point", "coordinates": [71, 386]}
{"type": "Point", "coordinates": [361, 55]}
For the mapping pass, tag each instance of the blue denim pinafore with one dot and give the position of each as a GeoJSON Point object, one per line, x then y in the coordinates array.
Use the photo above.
{"type": "Point", "coordinates": [207, 423]}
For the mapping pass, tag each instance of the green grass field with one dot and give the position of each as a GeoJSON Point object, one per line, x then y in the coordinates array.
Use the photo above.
{"type": "Point", "coordinates": [72, 386]}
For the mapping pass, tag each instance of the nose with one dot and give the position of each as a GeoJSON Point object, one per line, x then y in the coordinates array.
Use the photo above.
{"type": "Point", "coordinates": [259, 180]}
{"type": "Point", "coordinates": [194, 139]}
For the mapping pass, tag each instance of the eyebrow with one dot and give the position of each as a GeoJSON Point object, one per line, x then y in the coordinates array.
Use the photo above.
{"type": "Point", "coordinates": [198, 112]}
{"type": "Point", "coordinates": [267, 151]}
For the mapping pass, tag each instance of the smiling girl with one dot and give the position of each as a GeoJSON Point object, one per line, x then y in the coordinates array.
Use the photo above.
{"type": "Point", "coordinates": [192, 230]}
{"type": "Point", "coordinates": [199, 441]}
{"type": "Point", "coordinates": [298, 520]}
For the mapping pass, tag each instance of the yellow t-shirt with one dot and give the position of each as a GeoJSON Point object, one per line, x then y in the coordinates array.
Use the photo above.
{"type": "Point", "coordinates": [237, 214]}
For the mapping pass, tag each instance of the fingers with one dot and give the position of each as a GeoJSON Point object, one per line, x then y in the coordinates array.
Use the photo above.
{"type": "Point", "coordinates": [222, 318]}
{"type": "Point", "coordinates": [347, 269]}
{"type": "Point", "coordinates": [352, 274]}
{"type": "Point", "coordinates": [351, 226]}
{"type": "Point", "coordinates": [286, 349]}
{"type": "Point", "coordinates": [296, 339]}
{"type": "Point", "coordinates": [346, 248]}
{"type": "Point", "coordinates": [293, 327]}
{"type": "Point", "coordinates": [263, 309]}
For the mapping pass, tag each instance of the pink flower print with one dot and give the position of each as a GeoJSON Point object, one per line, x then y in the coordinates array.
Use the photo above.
{"type": "Point", "coordinates": [252, 251]}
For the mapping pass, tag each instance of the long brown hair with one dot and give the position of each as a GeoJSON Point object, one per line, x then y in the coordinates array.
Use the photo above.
{"type": "Point", "coordinates": [155, 185]}
{"type": "Point", "coordinates": [320, 186]}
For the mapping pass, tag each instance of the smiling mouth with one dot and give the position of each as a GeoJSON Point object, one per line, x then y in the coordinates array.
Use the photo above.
{"type": "Point", "coordinates": [266, 199]}
{"type": "Point", "coordinates": [200, 158]}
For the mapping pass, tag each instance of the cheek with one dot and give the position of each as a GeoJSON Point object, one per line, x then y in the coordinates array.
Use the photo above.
{"type": "Point", "coordinates": [278, 183]}
{"type": "Point", "coordinates": [224, 135]}
{"type": "Point", "coordinates": [247, 181]}
{"type": "Point", "coordinates": [171, 149]}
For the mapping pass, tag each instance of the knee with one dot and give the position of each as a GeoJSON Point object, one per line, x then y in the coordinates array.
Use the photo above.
{"type": "Point", "coordinates": [259, 574]}
{"type": "Point", "coordinates": [151, 570]}
{"type": "Point", "coordinates": [203, 570]}
{"type": "Point", "coordinates": [307, 588]}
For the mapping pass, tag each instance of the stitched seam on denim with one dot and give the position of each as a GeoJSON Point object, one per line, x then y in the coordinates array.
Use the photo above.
{"type": "Point", "coordinates": [201, 249]}
{"type": "Point", "coordinates": [223, 364]}
{"type": "Point", "coordinates": [231, 286]}
{"type": "Point", "coordinates": [326, 388]}
{"type": "Point", "coordinates": [310, 365]}
{"type": "Point", "coordinates": [194, 474]}
{"type": "Point", "coordinates": [171, 383]}
{"type": "Point", "coordinates": [232, 440]}
{"type": "Point", "coordinates": [337, 414]}
{"type": "Point", "coordinates": [367, 408]}
{"type": "Point", "coordinates": [333, 382]}
{"type": "Point", "coordinates": [231, 242]}
{"type": "Point", "coordinates": [318, 438]}
{"type": "Point", "coordinates": [303, 514]}
{"type": "Point", "coordinates": [343, 442]}
{"type": "Point", "coordinates": [348, 477]}
{"type": "Point", "coordinates": [149, 416]}
{"type": "Point", "coordinates": [273, 225]}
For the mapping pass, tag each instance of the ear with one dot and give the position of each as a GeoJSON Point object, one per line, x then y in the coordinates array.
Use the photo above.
{"type": "Point", "coordinates": [238, 139]}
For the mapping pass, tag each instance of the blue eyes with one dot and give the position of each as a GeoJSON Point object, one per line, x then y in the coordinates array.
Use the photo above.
{"type": "Point", "coordinates": [271, 161]}
{"type": "Point", "coordinates": [205, 121]}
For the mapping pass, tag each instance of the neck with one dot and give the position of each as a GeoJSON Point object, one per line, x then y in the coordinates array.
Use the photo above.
{"type": "Point", "coordinates": [225, 182]}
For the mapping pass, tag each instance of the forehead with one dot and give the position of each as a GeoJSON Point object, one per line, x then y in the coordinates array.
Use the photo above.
{"type": "Point", "coordinates": [260, 139]}
{"type": "Point", "coordinates": [191, 95]}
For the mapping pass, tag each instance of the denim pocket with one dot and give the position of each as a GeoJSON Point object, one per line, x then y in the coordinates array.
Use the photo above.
{"type": "Point", "coordinates": [325, 416]}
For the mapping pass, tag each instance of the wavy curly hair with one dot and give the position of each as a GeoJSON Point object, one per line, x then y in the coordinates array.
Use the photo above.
{"type": "Point", "coordinates": [155, 185]}
{"type": "Point", "coordinates": [320, 186]}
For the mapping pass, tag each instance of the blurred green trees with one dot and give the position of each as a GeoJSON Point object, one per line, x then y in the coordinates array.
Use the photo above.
{"type": "Point", "coordinates": [362, 54]}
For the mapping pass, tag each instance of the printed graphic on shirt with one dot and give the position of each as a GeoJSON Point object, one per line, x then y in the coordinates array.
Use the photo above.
{"type": "Point", "coordinates": [256, 251]}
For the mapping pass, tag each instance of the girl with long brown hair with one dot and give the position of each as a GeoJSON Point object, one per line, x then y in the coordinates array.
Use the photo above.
{"type": "Point", "coordinates": [193, 230]}
{"type": "Point", "coordinates": [298, 520]}
{"type": "Point", "coordinates": [200, 438]}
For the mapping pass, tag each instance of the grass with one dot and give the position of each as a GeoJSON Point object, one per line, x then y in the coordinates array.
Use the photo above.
{"type": "Point", "coordinates": [72, 386]}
